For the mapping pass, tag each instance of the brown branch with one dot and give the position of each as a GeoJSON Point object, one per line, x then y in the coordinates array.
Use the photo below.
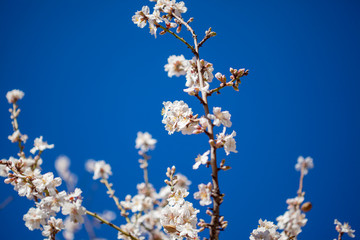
{"type": "Point", "coordinates": [340, 235]}
{"type": "Point", "coordinates": [216, 194]}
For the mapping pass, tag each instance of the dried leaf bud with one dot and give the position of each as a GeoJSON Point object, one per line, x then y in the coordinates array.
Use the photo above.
{"type": "Point", "coordinates": [222, 163]}
{"type": "Point", "coordinates": [190, 20]}
{"type": "Point", "coordinates": [225, 168]}
{"type": "Point", "coordinates": [208, 212]}
{"type": "Point", "coordinates": [224, 224]}
{"type": "Point", "coordinates": [179, 28]}
{"type": "Point", "coordinates": [170, 228]}
{"type": "Point", "coordinates": [212, 34]}
{"type": "Point", "coordinates": [306, 207]}
{"type": "Point", "coordinates": [236, 88]}
{"type": "Point", "coordinates": [162, 32]}
{"type": "Point", "coordinates": [221, 218]}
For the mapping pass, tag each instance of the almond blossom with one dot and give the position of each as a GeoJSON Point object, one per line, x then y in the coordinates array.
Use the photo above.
{"type": "Point", "coordinates": [145, 142]}
{"type": "Point", "coordinates": [14, 95]}
{"type": "Point", "coordinates": [266, 231]}
{"type": "Point", "coordinates": [177, 65]}
{"type": "Point", "coordinates": [204, 194]}
{"type": "Point", "coordinates": [53, 226]}
{"type": "Point", "coordinates": [227, 141]}
{"type": "Point", "coordinates": [75, 210]}
{"type": "Point", "coordinates": [101, 170]}
{"type": "Point", "coordinates": [201, 159]}
{"type": "Point", "coordinates": [220, 117]}
{"type": "Point", "coordinates": [171, 6]}
{"type": "Point", "coordinates": [344, 228]}
{"type": "Point", "coordinates": [177, 116]}
{"type": "Point", "coordinates": [16, 136]}
{"type": "Point", "coordinates": [293, 219]}
{"type": "Point", "coordinates": [40, 145]}
{"type": "Point", "coordinates": [141, 17]}
{"type": "Point", "coordinates": [306, 163]}
{"type": "Point", "coordinates": [34, 218]}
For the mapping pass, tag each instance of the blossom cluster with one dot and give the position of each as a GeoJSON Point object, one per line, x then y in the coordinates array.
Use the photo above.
{"type": "Point", "coordinates": [164, 11]}
{"type": "Point", "coordinates": [179, 217]}
{"type": "Point", "coordinates": [266, 231]}
{"type": "Point", "coordinates": [24, 174]}
{"type": "Point", "coordinates": [293, 219]}
{"type": "Point", "coordinates": [152, 214]}
{"type": "Point", "coordinates": [148, 212]}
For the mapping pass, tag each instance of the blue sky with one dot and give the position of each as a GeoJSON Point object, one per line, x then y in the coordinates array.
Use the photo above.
{"type": "Point", "coordinates": [92, 79]}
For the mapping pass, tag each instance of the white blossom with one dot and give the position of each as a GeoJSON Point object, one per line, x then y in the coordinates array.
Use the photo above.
{"type": "Point", "coordinates": [187, 230]}
{"type": "Point", "coordinates": [144, 141]}
{"type": "Point", "coordinates": [177, 65]}
{"type": "Point", "coordinates": [40, 145]}
{"type": "Point", "coordinates": [344, 228]}
{"type": "Point", "coordinates": [34, 217]}
{"type": "Point", "coordinates": [4, 170]}
{"type": "Point", "coordinates": [178, 196]}
{"type": "Point", "coordinates": [131, 228]}
{"type": "Point", "coordinates": [220, 117]}
{"type": "Point", "coordinates": [227, 141]}
{"type": "Point", "coordinates": [15, 136]}
{"type": "Point", "coordinates": [171, 6]}
{"type": "Point", "coordinates": [102, 170]}
{"type": "Point", "coordinates": [265, 231]}
{"type": "Point", "coordinates": [90, 165]}
{"type": "Point", "coordinates": [177, 116]}
{"type": "Point", "coordinates": [51, 204]}
{"type": "Point", "coordinates": [307, 163]}
{"type": "Point", "coordinates": [293, 219]}
{"type": "Point", "coordinates": [75, 210]}
{"type": "Point", "coordinates": [141, 17]}
{"type": "Point", "coordinates": [70, 229]}
{"type": "Point", "coordinates": [179, 217]}
{"type": "Point", "coordinates": [53, 226]}
{"type": "Point", "coordinates": [204, 194]}
{"type": "Point", "coordinates": [192, 77]}
{"type": "Point", "coordinates": [201, 159]}
{"type": "Point", "coordinates": [140, 203]}
{"type": "Point", "coordinates": [14, 95]}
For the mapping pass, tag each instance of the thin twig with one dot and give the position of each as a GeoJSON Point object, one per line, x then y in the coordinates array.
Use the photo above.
{"type": "Point", "coordinates": [221, 87]}
{"type": "Point", "coordinates": [177, 36]}
{"type": "Point", "coordinates": [116, 199]}
{"type": "Point", "coordinates": [299, 192]}
{"type": "Point", "coordinates": [110, 224]}
{"type": "Point", "coordinates": [16, 127]}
